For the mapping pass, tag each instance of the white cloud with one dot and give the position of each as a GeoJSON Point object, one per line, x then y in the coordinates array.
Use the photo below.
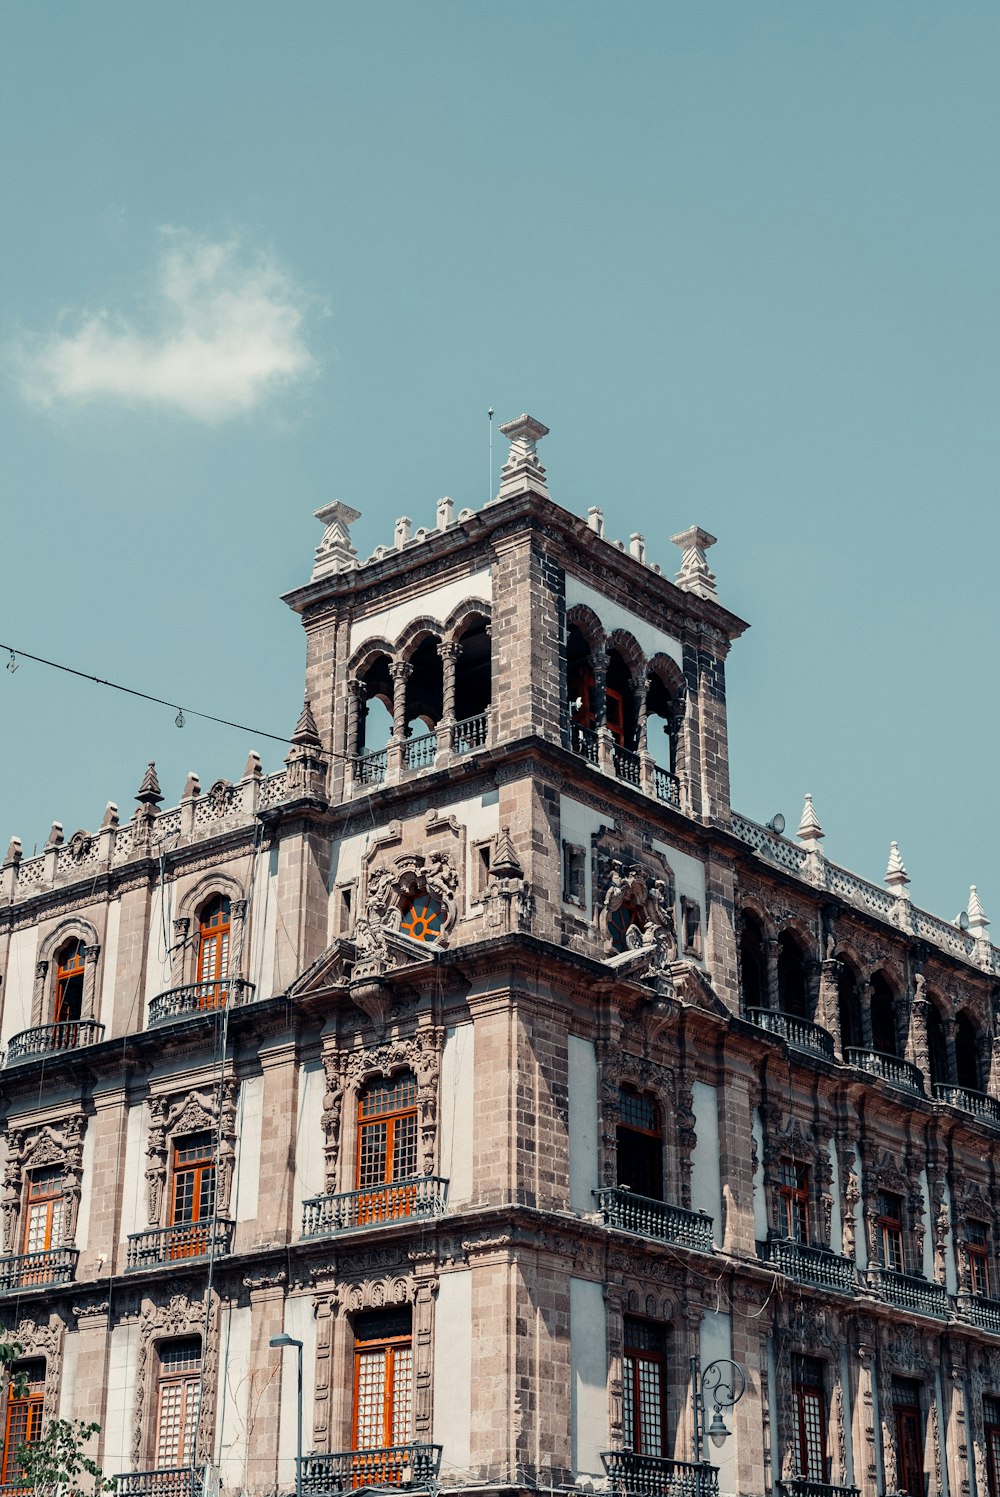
{"type": "Point", "coordinates": [223, 331]}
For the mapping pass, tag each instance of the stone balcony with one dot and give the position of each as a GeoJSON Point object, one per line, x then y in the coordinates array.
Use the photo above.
{"type": "Point", "coordinates": [165, 1481]}
{"type": "Point", "coordinates": [801, 1486]}
{"type": "Point", "coordinates": [637, 770]}
{"type": "Point", "coordinates": [656, 1476]}
{"type": "Point", "coordinates": [890, 1068]}
{"type": "Point", "coordinates": [421, 1198]}
{"type": "Point", "coordinates": [53, 1039]}
{"type": "Point", "coordinates": [182, 1243]}
{"type": "Point", "coordinates": [199, 998]}
{"type": "Point", "coordinates": [37, 1270]}
{"type": "Point", "coordinates": [645, 1217]}
{"type": "Point", "coordinates": [413, 1467]}
{"type": "Point", "coordinates": [810, 1265]}
{"type": "Point", "coordinates": [978, 1104]}
{"type": "Point", "coordinates": [981, 1311]}
{"type": "Point", "coordinates": [910, 1292]}
{"type": "Point", "coordinates": [800, 1034]}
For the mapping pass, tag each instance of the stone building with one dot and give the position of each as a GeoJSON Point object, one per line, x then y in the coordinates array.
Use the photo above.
{"type": "Point", "coordinates": [486, 1053]}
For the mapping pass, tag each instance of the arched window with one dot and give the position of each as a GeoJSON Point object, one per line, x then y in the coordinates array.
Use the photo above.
{"type": "Point", "coordinates": [753, 964]}
{"type": "Point", "coordinates": [422, 917]}
{"type": "Point", "coordinates": [580, 680]}
{"type": "Point", "coordinates": [792, 993]}
{"type": "Point", "coordinates": [424, 689]}
{"type": "Point", "coordinates": [213, 951]}
{"type": "Point", "coordinates": [639, 1144]}
{"type": "Point", "coordinates": [663, 710]}
{"type": "Point", "coordinates": [937, 1047]}
{"type": "Point", "coordinates": [966, 1053]}
{"type": "Point", "coordinates": [619, 702]}
{"type": "Point", "coordinates": [849, 1008]}
{"type": "Point", "coordinates": [883, 1011]}
{"type": "Point", "coordinates": [374, 726]}
{"type": "Point", "coordinates": [387, 1147]}
{"type": "Point", "coordinates": [67, 1006]}
{"type": "Point", "coordinates": [473, 684]}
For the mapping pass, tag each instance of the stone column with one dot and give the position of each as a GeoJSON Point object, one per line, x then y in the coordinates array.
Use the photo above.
{"type": "Point", "coordinates": [866, 1414]}
{"type": "Point", "coordinates": [950, 1025]}
{"type": "Point", "coordinates": [918, 1045]}
{"type": "Point", "coordinates": [642, 736]}
{"type": "Point", "coordinates": [828, 1006]}
{"type": "Point", "coordinates": [357, 697]}
{"type": "Point", "coordinates": [448, 649]}
{"type": "Point", "coordinates": [237, 937]}
{"type": "Point", "coordinates": [38, 993]}
{"type": "Point", "coordinates": [865, 1005]}
{"type": "Point", "coordinates": [771, 957]}
{"type": "Point", "coordinates": [401, 671]}
{"type": "Point", "coordinates": [178, 953]}
{"type": "Point", "coordinates": [605, 743]}
{"type": "Point", "coordinates": [88, 1006]}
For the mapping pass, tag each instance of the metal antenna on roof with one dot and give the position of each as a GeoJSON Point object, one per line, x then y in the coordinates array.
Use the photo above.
{"type": "Point", "coordinates": [489, 495]}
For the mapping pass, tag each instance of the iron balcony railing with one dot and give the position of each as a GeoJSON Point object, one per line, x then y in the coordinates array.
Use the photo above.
{"type": "Point", "coordinates": [420, 753]}
{"type": "Point", "coordinates": [199, 998]}
{"type": "Point", "coordinates": [414, 1467]}
{"type": "Point", "coordinates": [648, 1218]}
{"type": "Point", "coordinates": [979, 1104]}
{"type": "Point", "coordinates": [471, 733]}
{"type": "Point", "coordinates": [584, 741]}
{"type": "Point", "coordinates": [801, 1486]}
{"type": "Point", "coordinates": [422, 1196]}
{"type": "Point", "coordinates": [51, 1039]}
{"type": "Point", "coordinates": [166, 1481]}
{"type": "Point", "coordinates": [810, 1265]}
{"type": "Point", "coordinates": [800, 1034]}
{"type": "Point", "coordinates": [889, 1067]}
{"type": "Point", "coordinates": [666, 786]}
{"type": "Point", "coordinates": [628, 766]}
{"type": "Point", "coordinates": [655, 1476]}
{"type": "Point", "coordinates": [28, 1270]}
{"type": "Point", "coordinates": [980, 1310]}
{"type": "Point", "coordinates": [369, 769]}
{"type": "Point", "coordinates": [182, 1241]}
{"type": "Point", "coordinates": [909, 1291]}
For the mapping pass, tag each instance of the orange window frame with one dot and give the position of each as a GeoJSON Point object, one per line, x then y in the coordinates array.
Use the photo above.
{"type": "Point", "coordinates": [978, 1249]}
{"type": "Point", "coordinates": [582, 684]}
{"type": "Point", "coordinates": [793, 1195]}
{"type": "Point", "coordinates": [387, 1148]}
{"type": "Point", "coordinates": [890, 1228]}
{"type": "Point", "coordinates": [397, 1352]}
{"type": "Point", "coordinates": [614, 714]}
{"type": "Point", "coordinates": [68, 969]}
{"type": "Point", "coordinates": [192, 1194]}
{"type": "Point", "coordinates": [43, 1198]}
{"type": "Point", "coordinates": [214, 935]}
{"type": "Point", "coordinates": [178, 1402]}
{"type": "Point", "coordinates": [22, 1421]}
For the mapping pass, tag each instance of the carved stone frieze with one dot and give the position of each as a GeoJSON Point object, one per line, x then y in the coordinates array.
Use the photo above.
{"type": "Point", "coordinates": [194, 1111]}
{"type": "Point", "coordinates": [161, 1321]}
{"type": "Point", "coordinates": [47, 1146]}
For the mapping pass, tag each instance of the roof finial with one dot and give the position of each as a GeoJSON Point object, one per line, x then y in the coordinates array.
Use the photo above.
{"type": "Point", "coordinates": [978, 923]}
{"type": "Point", "coordinates": [149, 793]}
{"type": "Point", "coordinates": [504, 862]}
{"type": "Point", "coordinates": [695, 575]}
{"type": "Point", "coordinates": [809, 830]}
{"type": "Point", "coordinates": [522, 473]}
{"type": "Point", "coordinates": [896, 875]}
{"type": "Point", "coordinates": [335, 552]}
{"type": "Point", "coordinates": [306, 731]}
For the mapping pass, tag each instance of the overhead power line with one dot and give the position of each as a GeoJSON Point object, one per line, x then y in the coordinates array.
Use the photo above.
{"type": "Point", "coordinates": [146, 696]}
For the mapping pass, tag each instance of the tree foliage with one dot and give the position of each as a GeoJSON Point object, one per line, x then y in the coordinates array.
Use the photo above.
{"type": "Point", "coordinates": [55, 1465]}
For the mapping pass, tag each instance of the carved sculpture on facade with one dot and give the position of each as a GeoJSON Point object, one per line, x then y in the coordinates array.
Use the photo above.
{"type": "Point", "coordinates": [48, 1146]}
{"type": "Point", "coordinates": [649, 901]}
{"type": "Point", "coordinates": [162, 1321]}
{"type": "Point", "coordinates": [393, 892]}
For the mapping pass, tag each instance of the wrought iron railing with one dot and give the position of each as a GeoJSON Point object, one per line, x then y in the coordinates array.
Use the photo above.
{"type": "Point", "coordinates": [648, 1218]}
{"type": "Point", "coordinates": [979, 1104]}
{"type": "Point", "coordinates": [909, 1291]}
{"type": "Point", "coordinates": [666, 786]}
{"type": "Point", "coordinates": [414, 1466]}
{"type": "Point", "coordinates": [655, 1476]}
{"type": "Point", "coordinates": [369, 769]}
{"type": "Point", "coordinates": [802, 1486]}
{"type": "Point", "coordinates": [584, 741]}
{"type": "Point", "coordinates": [889, 1067]}
{"type": "Point", "coordinates": [980, 1310]}
{"type": "Point", "coordinates": [165, 1481]}
{"type": "Point", "coordinates": [810, 1265]}
{"type": "Point", "coordinates": [422, 1196]}
{"type": "Point", "coordinates": [628, 766]}
{"type": "Point", "coordinates": [57, 1266]}
{"type": "Point", "coordinates": [199, 998]}
{"type": "Point", "coordinates": [51, 1039]}
{"type": "Point", "coordinates": [420, 753]}
{"type": "Point", "coordinates": [471, 733]}
{"type": "Point", "coordinates": [800, 1034]}
{"type": "Point", "coordinates": [182, 1241]}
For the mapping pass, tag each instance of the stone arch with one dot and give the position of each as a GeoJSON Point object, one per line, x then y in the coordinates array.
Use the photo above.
{"type": "Point", "coordinates": [630, 650]}
{"type": "Point", "coordinates": [885, 1002]}
{"type": "Point", "coordinates": [582, 617]}
{"type": "Point", "coordinates": [414, 635]}
{"type": "Point", "coordinates": [366, 654]}
{"type": "Point", "coordinates": [463, 614]}
{"type": "Point", "coordinates": [72, 928]}
{"type": "Point", "coordinates": [752, 943]}
{"type": "Point", "coordinates": [184, 952]}
{"type": "Point", "coordinates": [969, 1051]}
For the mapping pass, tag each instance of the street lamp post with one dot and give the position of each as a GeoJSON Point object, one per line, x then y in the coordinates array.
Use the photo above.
{"type": "Point", "coordinates": [282, 1341]}
{"type": "Point", "coordinates": [725, 1382]}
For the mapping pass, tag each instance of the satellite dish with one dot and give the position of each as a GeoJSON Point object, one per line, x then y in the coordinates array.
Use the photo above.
{"type": "Point", "coordinates": [963, 920]}
{"type": "Point", "coordinates": [776, 824]}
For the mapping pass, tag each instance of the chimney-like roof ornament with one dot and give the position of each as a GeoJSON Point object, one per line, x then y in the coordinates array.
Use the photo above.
{"type": "Point", "coordinates": [522, 473]}
{"type": "Point", "coordinates": [504, 862]}
{"type": "Point", "coordinates": [149, 793]}
{"type": "Point", "coordinates": [306, 731]}
{"type": "Point", "coordinates": [978, 921]}
{"type": "Point", "coordinates": [335, 553]}
{"type": "Point", "coordinates": [896, 875]}
{"type": "Point", "coordinates": [809, 827]}
{"type": "Point", "coordinates": [695, 575]}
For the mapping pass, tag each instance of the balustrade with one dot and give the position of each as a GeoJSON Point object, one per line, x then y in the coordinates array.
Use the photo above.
{"type": "Point", "coordinates": [200, 997]}
{"type": "Point", "coordinates": [632, 1475]}
{"type": "Point", "coordinates": [800, 1034]}
{"type": "Point", "coordinates": [51, 1039]}
{"type": "Point", "coordinates": [414, 1466]}
{"type": "Point", "coordinates": [422, 1196]}
{"type": "Point", "coordinates": [648, 1218]}
{"type": "Point", "coordinates": [810, 1265]}
{"type": "Point", "coordinates": [888, 1067]}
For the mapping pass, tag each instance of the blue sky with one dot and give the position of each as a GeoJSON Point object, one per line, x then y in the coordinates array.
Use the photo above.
{"type": "Point", "coordinates": [741, 258]}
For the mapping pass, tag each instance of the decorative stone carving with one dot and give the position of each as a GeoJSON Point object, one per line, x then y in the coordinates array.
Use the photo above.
{"type": "Point", "coordinates": [346, 1075]}
{"type": "Point", "coordinates": [191, 1112]}
{"type": "Point", "coordinates": [55, 1145]}
{"type": "Point", "coordinates": [44, 1339]}
{"type": "Point", "coordinates": [390, 891]}
{"type": "Point", "coordinates": [178, 1316]}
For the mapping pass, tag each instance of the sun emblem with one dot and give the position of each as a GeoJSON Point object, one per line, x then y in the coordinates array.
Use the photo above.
{"type": "Point", "coordinates": [423, 918]}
